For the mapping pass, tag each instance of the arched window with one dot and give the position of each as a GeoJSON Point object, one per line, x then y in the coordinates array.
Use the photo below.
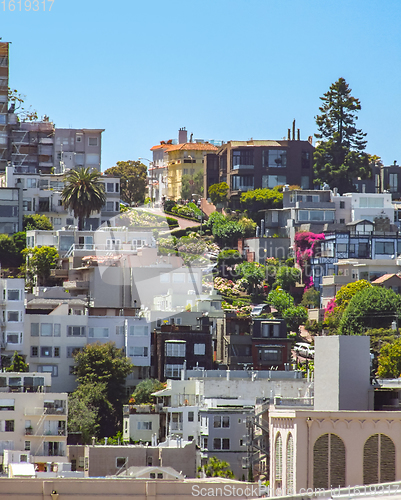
{"type": "Point", "coordinates": [278, 475]}
{"type": "Point", "coordinates": [378, 460]}
{"type": "Point", "coordinates": [328, 462]}
{"type": "Point", "coordinates": [290, 466]}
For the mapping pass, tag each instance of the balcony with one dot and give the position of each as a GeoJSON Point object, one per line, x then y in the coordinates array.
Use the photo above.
{"type": "Point", "coordinates": [175, 426]}
{"type": "Point", "coordinates": [59, 273]}
{"type": "Point", "coordinates": [76, 285]}
{"type": "Point", "coordinates": [45, 411]}
{"type": "Point", "coordinates": [337, 280]}
{"type": "Point", "coordinates": [243, 167]}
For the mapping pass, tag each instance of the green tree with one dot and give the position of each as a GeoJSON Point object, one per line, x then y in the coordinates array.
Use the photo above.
{"type": "Point", "coordinates": [345, 294]}
{"type": "Point", "coordinates": [249, 226]}
{"type": "Point", "coordinates": [260, 199]}
{"type": "Point", "coordinates": [19, 240]}
{"type": "Point", "coordinates": [339, 156]}
{"type": "Point", "coordinates": [311, 299]}
{"type": "Point", "coordinates": [132, 176]}
{"type": "Point", "coordinates": [85, 405]}
{"type": "Point", "coordinates": [83, 193]}
{"type": "Point", "coordinates": [9, 253]}
{"type": "Point", "coordinates": [390, 360]}
{"type": "Point", "coordinates": [218, 193]}
{"type": "Point", "coordinates": [17, 364]}
{"type": "Point", "coordinates": [295, 317]}
{"type": "Point", "coordinates": [108, 365]}
{"type": "Point", "coordinates": [373, 307]}
{"type": "Point", "coordinates": [143, 391]}
{"type": "Point", "coordinates": [36, 221]}
{"type": "Point", "coordinates": [217, 468]}
{"type": "Point", "coordinates": [253, 273]}
{"type": "Point", "coordinates": [227, 232]}
{"type": "Point", "coordinates": [280, 300]}
{"type": "Point", "coordinates": [191, 184]}
{"type": "Point", "coordinates": [286, 277]}
{"type": "Point", "coordinates": [40, 261]}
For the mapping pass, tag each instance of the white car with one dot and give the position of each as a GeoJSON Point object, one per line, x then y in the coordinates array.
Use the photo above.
{"type": "Point", "coordinates": [305, 350]}
{"type": "Point", "coordinates": [260, 309]}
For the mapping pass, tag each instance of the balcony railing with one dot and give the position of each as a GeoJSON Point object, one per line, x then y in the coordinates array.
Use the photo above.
{"type": "Point", "coordinates": [77, 285]}
{"type": "Point", "coordinates": [45, 411]}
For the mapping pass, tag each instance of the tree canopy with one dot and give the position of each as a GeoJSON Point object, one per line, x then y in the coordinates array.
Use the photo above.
{"type": "Point", "coordinates": [217, 468]}
{"type": "Point", "coordinates": [218, 193]}
{"type": "Point", "coordinates": [107, 365]}
{"type": "Point", "coordinates": [83, 193]}
{"type": "Point", "coordinates": [372, 307]}
{"type": "Point", "coordinates": [132, 176]}
{"type": "Point", "coordinates": [36, 221]}
{"type": "Point", "coordinates": [280, 300]}
{"type": "Point", "coordinates": [390, 360]}
{"type": "Point", "coordinates": [191, 184]}
{"type": "Point", "coordinates": [143, 391]}
{"type": "Point", "coordinates": [40, 261]}
{"type": "Point", "coordinates": [339, 156]}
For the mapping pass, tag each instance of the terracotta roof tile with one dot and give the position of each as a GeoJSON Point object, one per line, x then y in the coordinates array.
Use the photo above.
{"type": "Point", "coordinates": [193, 146]}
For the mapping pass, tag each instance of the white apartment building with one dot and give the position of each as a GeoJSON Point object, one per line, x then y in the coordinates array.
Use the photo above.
{"type": "Point", "coordinates": [77, 148]}
{"type": "Point", "coordinates": [52, 339]}
{"type": "Point", "coordinates": [12, 319]}
{"type": "Point", "coordinates": [33, 422]}
{"type": "Point", "coordinates": [363, 206]}
{"type": "Point", "coordinates": [42, 195]}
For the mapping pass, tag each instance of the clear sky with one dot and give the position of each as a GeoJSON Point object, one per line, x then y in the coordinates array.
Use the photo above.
{"type": "Point", "coordinates": [224, 69]}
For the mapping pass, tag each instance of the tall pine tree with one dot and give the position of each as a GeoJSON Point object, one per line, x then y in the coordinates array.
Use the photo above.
{"type": "Point", "coordinates": [339, 157]}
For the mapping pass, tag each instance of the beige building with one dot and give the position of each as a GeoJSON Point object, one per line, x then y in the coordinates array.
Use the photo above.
{"type": "Point", "coordinates": [32, 421]}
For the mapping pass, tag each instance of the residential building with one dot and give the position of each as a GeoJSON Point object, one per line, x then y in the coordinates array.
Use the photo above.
{"type": "Point", "coordinates": [255, 164]}
{"type": "Point", "coordinates": [172, 161]}
{"type": "Point", "coordinates": [77, 148]}
{"type": "Point", "coordinates": [340, 441]}
{"type": "Point", "coordinates": [42, 194]}
{"type": "Point", "coordinates": [258, 249]}
{"type": "Point", "coordinates": [32, 419]}
{"type": "Point", "coordinates": [141, 424]}
{"type": "Point", "coordinates": [12, 320]}
{"type": "Point", "coordinates": [176, 345]}
{"type": "Point", "coordinates": [11, 208]}
{"type": "Point", "coordinates": [4, 70]}
{"type": "Point", "coordinates": [101, 461]}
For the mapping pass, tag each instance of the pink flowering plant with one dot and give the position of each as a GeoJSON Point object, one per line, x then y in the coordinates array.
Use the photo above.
{"type": "Point", "coordinates": [304, 249]}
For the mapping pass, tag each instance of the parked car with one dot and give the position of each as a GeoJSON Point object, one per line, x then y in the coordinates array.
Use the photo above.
{"type": "Point", "coordinates": [305, 350]}
{"type": "Point", "coordinates": [260, 309]}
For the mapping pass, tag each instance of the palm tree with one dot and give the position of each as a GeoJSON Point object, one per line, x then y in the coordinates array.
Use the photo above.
{"type": "Point", "coordinates": [83, 193]}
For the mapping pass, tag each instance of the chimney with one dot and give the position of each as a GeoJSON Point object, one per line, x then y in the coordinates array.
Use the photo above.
{"type": "Point", "coordinates": [293, 130]}
{"type": "Point", "coordinates": [182, 136]}
{"type": "Point", "coordinates": [310, 139]}
{"type": "Point", "coordinates": [289, 134]}
{"type": "Point", "coordinates": [298, 135]}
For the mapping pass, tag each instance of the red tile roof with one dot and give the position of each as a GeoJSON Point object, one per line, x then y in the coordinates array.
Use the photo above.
{"type": "Point", "coordinates": [187, 146]}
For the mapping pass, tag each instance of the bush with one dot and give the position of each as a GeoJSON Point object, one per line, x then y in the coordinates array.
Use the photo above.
{"type": "Point", "coordinates": [168, 205]}
{"type": "Point", "coordinates": [172, 222]}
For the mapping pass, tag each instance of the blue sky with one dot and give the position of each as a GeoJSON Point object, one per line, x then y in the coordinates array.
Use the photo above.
{"type": "Point", "coordinates": [225, 70]}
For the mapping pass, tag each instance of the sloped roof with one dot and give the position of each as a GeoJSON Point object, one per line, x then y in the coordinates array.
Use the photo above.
{"type": "Point", "coordinates": [193, 146]}
{"type": "Point", "coordinates": [385, 278]}
{"type": "Point", "coordinates": [235, 144]}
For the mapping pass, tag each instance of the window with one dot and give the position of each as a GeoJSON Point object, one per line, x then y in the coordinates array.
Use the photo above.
{"type": "Point", "coordinates": [175, 349]}
{"type": "Point", "coordinates": [199, 349]}
{"type": "Point", "coordinates": [76, 331]}
{"type": "Point", "coordinates": [57, 221]}
{"type": "Point", "coordinates": [385, 247]}
{"type": "Point", "coordinates": [34, 329]}
{"type": "Point", "coordinates": [221, 444]}
{"type": "Point", "coordinates": [27, 446]}
{"type": "Point", "coordinates": [53, 369]}
{"type": "Point", "coordinates": [328, 461]}
{"type": "Point", "coordinates": [172, 370]}
{"type": "Point", "coordinates": [341, 248]}
{"type": "Point", "coordinates": [92, 159]}
{"type": "Point", "coordinates": [109, 206]}
{"type": "Point", "coordinates": [179, 278]}
{"type": "Point", "coordinates": [272, 354]}
{"type": "Point", "coordinates": [110, 187]}
{"type": "Point", "coordinates": [160, 475]}
{"type": "Point", "coordinates": [150, 461]}
{"type": "Point", "coordinates": [13, 316]}
{"type": "Point", "coordinates": [242, 158]}
{"type": "Point", "coordinates": [342, 204]}
{"type": "Point", "coordinates": [120, 330]}
{"type": "Point", "coordinates": [190, 416]}
{"type": "Point", "coordinates": [242, 182]}
{"type": "Point", "coordinates": [57, 352]}
{"type": "Point", "coordinates": [92, 141]}
{"type": "Point", "coordinates": [46, 352]}
{"type": "Point", "coordinates": [46, 330]}
{"type": "Point", "coordinates": [165, 278]}
{"type": "Point", "coordinates": [139, 331]}
{"type": "Point", "coordinates": [144, 426]}
{"type": "Point", "coordinates": [71, 351]}
{"type": "Point", "coordinates": [98, 332]}
{"type": "Point", "coordinates": [34, 351]}
{"type": "Point", "coordinates": [371, 202]}
{"type": "Point", "coordinates": [7, 404]}
{"type": "Point", "coordinates": [13, 294]}
{"type": "Point", "coordinates": [305, 159]}
{"type": "Point", "coordinates": [271, 181]}
{"type": "Point", "coordinates": [378, 460]}
{"type": "Point", "coordinates": [277, 158]}
{"type": "Point", "coordinates": [305, 182]}
{"type": "Point", "coordinates": [14, 338]}
{"type": "Point", "coordinates": [393, 183]}
{"type": "Point", "coordinates": [27, 205]}
{"type": "Point", "coordinates": [9, 426]}
{"type": "Point", "coordinates": [138, 351]}
{"type": "Point", "coordinates": [57, 330]}
{"type": "Point", "coordinates": [342, 221]}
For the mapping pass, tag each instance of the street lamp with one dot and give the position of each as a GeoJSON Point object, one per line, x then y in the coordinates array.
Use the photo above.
{"type": "Point", "coordinates": [151, 179]}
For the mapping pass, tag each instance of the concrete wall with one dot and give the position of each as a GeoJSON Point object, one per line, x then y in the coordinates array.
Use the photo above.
{"type": "Point", "coordinates": [123, 489]}
{"type": "Point", "coordinates": [101, 460]}
{"type": "Point", "coordinates": [342, 373]}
